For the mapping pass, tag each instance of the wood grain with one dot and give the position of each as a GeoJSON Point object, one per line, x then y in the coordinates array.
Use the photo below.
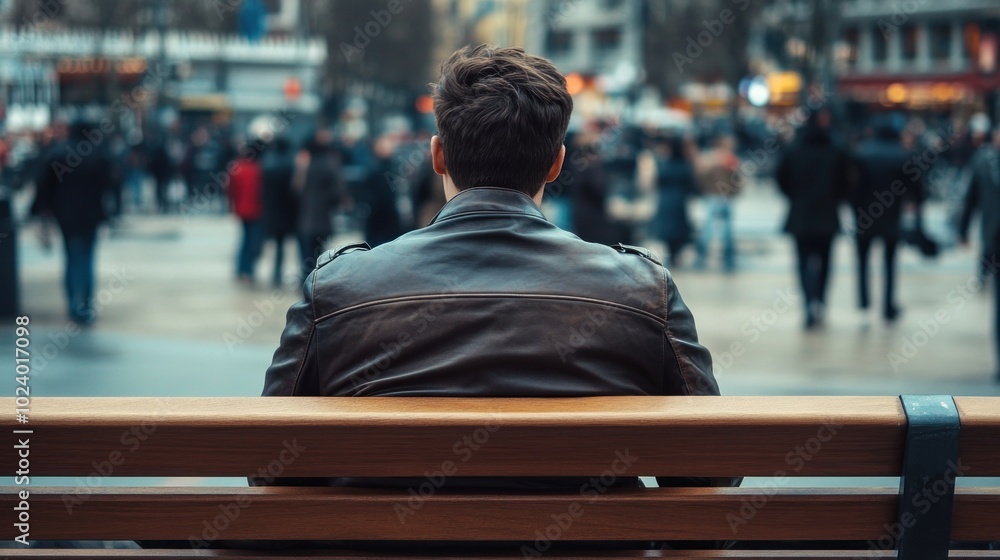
{"type": "Point", "coordinates": [594, 555]}
{"type": "Point", "coordinates": [672, 436]}
{"type": "Point", "coordinates": [360, 514]}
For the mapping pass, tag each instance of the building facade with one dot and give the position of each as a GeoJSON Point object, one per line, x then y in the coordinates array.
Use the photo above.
{"type": "Point", "coordinates": [920, 53]}
{"type": "Point", "coordinates": [601, 38]}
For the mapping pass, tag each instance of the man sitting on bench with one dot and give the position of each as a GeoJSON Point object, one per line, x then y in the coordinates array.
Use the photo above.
{"type": "Point", "coordinates": [490, 299]}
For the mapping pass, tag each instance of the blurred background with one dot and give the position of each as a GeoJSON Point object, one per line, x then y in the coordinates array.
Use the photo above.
{"type": "Point", "coordinates": [198, 124]}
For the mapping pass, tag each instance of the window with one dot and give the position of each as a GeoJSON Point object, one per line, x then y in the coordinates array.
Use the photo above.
{"type": "Point", "coordinates": [272, 7]}
{"type": "Point", "coordinates": [940, 41]}
{"type": "Point", "coordinates": [972, 36]}
{"type": "Point", "coordinates": [910, 38]}
{"type": "Point", "coordinates": [851, 45]}
{"type": "Point", "coordinates": [607, 40]}
{"type": "Point", "coordinates": [558, 42]}
{"type": "Point", "coordinates": [880, 45]}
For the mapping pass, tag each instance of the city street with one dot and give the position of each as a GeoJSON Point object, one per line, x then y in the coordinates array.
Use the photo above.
{"type": "Point", "coordinates": [173, 322]}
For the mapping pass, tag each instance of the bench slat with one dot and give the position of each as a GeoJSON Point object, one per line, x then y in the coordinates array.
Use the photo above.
{"type": "Point", "coordinates": [363, 514]}
{"type": "Point", "coordinates": [670, 436]}
{"type": "Point", "coordinates": [39, 554]}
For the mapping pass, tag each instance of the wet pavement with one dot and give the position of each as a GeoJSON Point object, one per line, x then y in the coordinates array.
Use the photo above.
{"type": "Point", "coordinates": [173, 321]}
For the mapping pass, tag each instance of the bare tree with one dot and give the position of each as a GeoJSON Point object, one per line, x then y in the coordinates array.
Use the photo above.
{"type": "Point", "coordinates": [368, 43]}
{"type": "Point", "coordinates": [696, 40]}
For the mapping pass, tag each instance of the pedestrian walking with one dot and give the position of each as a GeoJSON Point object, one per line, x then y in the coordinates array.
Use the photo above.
{"type": "Point", "coordinates": [813, 175]}
{"type": "Point", "coordinates": [718, 181]}
{"type": "Point", "coordinates": [882, 191]}
{"type": "Point", "coordinates": [670, 172]}
{"type": "Point", "coordinates": [245, 196]}
{"type": "Point", "coordinates": [162, 167]}
{"type": "Point", "coordinates": [281, 203]}
{"type": "Point", "coordinates": [71, 189]}
{"type": "Point", "coordinates": [382, 223]}
{"type": "Point", "coordinates": [321, 189]}
{"type": "Point", "coordinates": [984, 196]}
{"type": "Point", "coordinates": [588, 176]}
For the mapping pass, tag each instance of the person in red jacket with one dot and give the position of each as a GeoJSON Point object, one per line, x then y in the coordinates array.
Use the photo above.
{"type": "Point", "coordinates": [245, 196]}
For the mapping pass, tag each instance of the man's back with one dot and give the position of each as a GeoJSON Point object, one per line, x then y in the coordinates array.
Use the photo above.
{"type": "Point", "coordinates": [490, 300]}
{"type": "Point", "coordinates": [882, 177]}
{"type": "Point", "coordinates": [72, 187]}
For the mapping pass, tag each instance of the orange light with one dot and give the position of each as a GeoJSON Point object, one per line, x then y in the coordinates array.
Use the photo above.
{"type": "Point", "coordinates": [425, 104]}
{"type": "Point", "coordinates": [292, 89]}
{"type": "Point", "coordinates": [896, 93]}
{"type": "Point", "coordinates": [781, 83]}
{"type": "Point", "coordinates": [574, 83]}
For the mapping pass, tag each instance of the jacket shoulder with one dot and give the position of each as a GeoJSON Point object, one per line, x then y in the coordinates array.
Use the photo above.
{"type": "Point", "coordinates": [635, 250]}
{"type": "Point", "coordinates": [329, 256]}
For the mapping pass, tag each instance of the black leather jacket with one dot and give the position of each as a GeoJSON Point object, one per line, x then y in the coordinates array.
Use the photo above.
{"type": "Point", "coordinates": [491, 300]}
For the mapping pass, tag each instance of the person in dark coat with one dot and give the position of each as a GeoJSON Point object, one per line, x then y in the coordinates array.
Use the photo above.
{"type": "Point", "coordinates": [813, 175]}
{"type": "Point", "coordinates": [162, 168]}
{"type": "Point", "coordinates": [320, 184]}
{"type": "Point", "coordinates": [71, 188]}
{"type": "Point", "coordinates": [984, 195]}
{"type": "Point", "coordinates": [589, 187]}
{"type": "Point", "coordinates": [674, 181]}
{"type": "Point", "coordinates": [281, 204]}
{"type": "Point", "coordinates": [883, 189]}
{"type": "Point", "coordinates": [383, 221]}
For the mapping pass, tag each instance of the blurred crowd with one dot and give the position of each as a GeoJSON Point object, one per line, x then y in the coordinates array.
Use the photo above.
{"type": "Point", "coordinates": [868, 179]}
{"type": "Point", "coordinates": [620, 183]}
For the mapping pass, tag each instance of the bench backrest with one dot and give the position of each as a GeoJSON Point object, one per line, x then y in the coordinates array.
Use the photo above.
{"type": "Point", "coordinates": [780, 438]}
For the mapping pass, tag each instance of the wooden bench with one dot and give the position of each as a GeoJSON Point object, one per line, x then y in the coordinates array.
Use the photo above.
{"type": "Point", "coordinates": [779, 438]}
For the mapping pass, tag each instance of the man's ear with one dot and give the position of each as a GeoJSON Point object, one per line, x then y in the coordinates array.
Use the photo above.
{"type": "Point", "coordinates": [437, 156]}
{"type": "Point", "coordinates": [556, 168]}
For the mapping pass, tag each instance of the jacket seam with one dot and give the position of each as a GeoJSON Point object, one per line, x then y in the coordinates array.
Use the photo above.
{"type": "Point", "coordinates": [312, 332]}
{"type": "Point", "coordinates": [666, 316]}
{"type": "Point", "coordinates": [489, 295]}
{"type": "Point", "coordinates": [305, 358]}
{"type": "Point", "coordinates": [492, 213]}
{"type": "Point", "coordinates": [677, 357]}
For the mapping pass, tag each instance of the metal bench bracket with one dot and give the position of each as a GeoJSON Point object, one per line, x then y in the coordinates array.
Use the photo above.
{"type": "Point", "coordinates": [927, 484]}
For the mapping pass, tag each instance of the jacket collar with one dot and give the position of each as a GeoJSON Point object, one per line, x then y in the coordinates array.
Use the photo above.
{"type": "Point", "coordinates": [488, 199]}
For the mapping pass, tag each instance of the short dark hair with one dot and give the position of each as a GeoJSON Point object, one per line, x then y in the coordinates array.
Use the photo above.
{"type": "Point", "coordinates": [501, 116]}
